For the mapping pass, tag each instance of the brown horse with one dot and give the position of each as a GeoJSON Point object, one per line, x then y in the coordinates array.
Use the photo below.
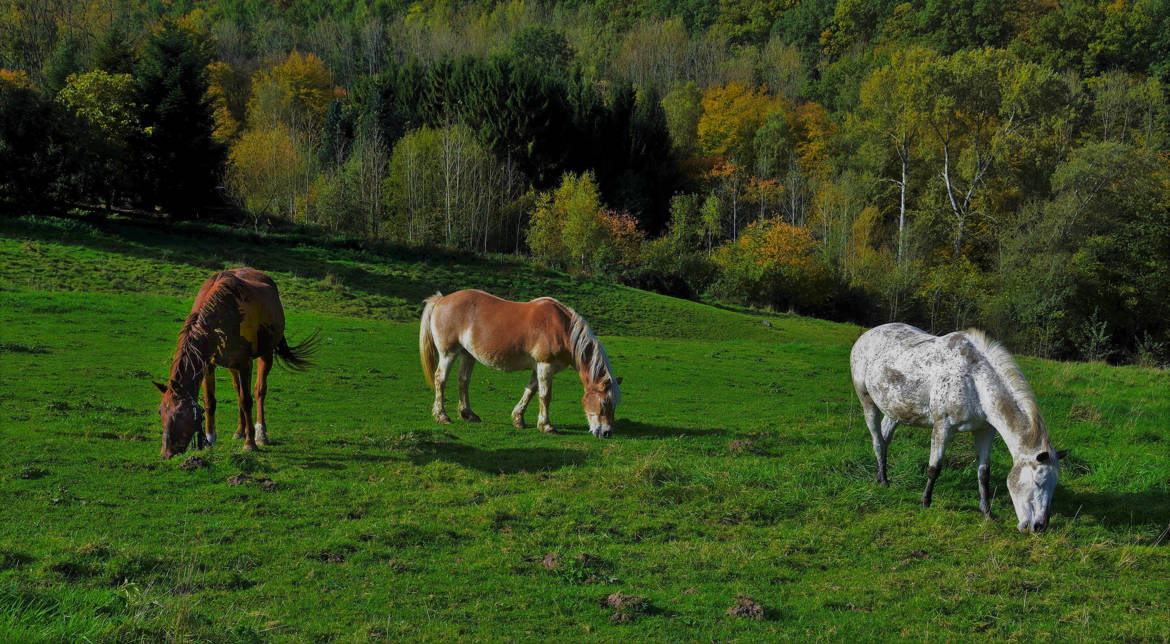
{"type": "Point", "coordinates": [237, 317]}
{"type": "Point", "coordinates": [543, 335]}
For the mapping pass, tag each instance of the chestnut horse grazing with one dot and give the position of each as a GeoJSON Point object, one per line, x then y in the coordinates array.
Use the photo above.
{"type": "Point", "coordinates": [960, 382]}
{"type": "Point", "coordinates": [237, 318]}
{"type": "Point", "coordinates": [542, 335]}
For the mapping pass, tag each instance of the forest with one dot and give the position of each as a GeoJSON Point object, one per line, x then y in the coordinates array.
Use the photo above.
{"type": "Point", "coordinates": [995, 163]}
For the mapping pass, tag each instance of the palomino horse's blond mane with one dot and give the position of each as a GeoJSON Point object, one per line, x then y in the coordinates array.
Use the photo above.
{"type": "Point", "coordinates": [1004, 364]}
{"type": "Point", "coordinates": [588, 352]}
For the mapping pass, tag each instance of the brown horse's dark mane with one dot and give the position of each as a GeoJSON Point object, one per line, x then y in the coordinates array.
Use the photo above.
{"type": "Point", "coordinates": [190, 360]}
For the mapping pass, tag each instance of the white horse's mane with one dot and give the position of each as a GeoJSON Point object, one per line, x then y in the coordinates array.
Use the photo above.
{"type": "Point", "coordinates": [587, 350]}
{"type": "Point", "coordinates": [1005, 366]}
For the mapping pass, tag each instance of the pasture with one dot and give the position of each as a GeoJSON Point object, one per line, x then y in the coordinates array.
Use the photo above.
{"type": "Point", "coordinates": [740, 466]}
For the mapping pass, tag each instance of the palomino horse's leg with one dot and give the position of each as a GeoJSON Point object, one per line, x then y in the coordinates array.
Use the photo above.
{"type": "Point", "coordinates": [938, 445]}
{"type": "Point", "coordinates": [544, 375]}
{"type": "Point", "coordinates": [518, 410]}
{"type": "Point", "coordinates": [263, 366]}
{"type": "Point", "coordinates": [441, 372]}
{"type": "Point", "coordinates": [246, 407]}
{"type": "Point", "coordinates": [240, 388]}
{"type": "Point", "coordinates": [209, 403]}
{"type": "Point", "coordinates": [466, 364]}
{"type": "Point", "coordinates": [983, 441]}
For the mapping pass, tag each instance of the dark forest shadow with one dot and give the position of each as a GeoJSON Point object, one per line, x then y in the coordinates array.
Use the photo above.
{"type": "Point", "coordinates": [215, 247]}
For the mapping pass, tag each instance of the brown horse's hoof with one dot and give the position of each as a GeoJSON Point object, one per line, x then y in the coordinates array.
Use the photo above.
{"type": "Point", "coordinates": [238, 435]}
{"type": "Point", "coordinates": [443, 419]}
{"type": "Point", "coordinates": [469, 416]}
{"type": "Point", "coordinates": [549, 429]}
{"type": "Point", "coordinates": [518, 422]}
{"type": "Point", "coordinates": [251, 447]}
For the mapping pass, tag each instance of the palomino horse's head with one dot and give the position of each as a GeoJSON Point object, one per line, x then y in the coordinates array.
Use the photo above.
{"type": "Point", "coordinates": [1031, 484]}
{"type": "Point", "coordinates": [181, 417]}
{"type": "Point", "coordinates": [600, 402]}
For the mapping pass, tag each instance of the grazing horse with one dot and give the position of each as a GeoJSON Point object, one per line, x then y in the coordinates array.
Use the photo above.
{"type": "Point", "coordinates": [959, 382]}
{"type": "Point", "coordinates": [237, 317]}
{"type": "Point", "coordinates": [542, 335]}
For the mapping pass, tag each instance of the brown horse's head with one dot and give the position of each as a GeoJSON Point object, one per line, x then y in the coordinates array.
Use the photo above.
{"type": "Point", "coordinates": [600, 402]}
{"type": "Point", "coordinates": [181, 417]}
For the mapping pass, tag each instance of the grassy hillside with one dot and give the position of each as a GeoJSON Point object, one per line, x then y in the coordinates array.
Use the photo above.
{"type": "Point", "coordinates": [740, 466]}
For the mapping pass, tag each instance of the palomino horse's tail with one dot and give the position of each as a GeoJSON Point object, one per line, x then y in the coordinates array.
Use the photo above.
{"type": "Point", "coordinates": [427, 351]}
{"type": "Point", "coordinates": [297, 357]}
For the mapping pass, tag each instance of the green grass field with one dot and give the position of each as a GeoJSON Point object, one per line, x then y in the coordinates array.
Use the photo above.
{"type": "Point", "coordinates": [740, 466]}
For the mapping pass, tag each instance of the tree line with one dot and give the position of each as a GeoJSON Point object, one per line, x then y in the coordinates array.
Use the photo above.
{"type": "Point", "coordinates": [995, 163]}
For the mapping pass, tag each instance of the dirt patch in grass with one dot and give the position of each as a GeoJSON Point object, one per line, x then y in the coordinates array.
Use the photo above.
{"type": "Point", "coordinates": [627, 607]}
{"type": "Point", "coordinates": [746, 607]}
{"type": "Point", "coordinates": [239, 479]}
{"type": "Point", "coordinates": [266, 484]}
{"type": "Point", "coordinates": [194, 463]}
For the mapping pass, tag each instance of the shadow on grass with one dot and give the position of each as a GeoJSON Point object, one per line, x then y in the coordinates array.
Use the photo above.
{"type": "Point", "coordinates": [1146, 509]}
{"type": "Point", "coordinates": [634, 429]}
{"type": "Point", "coordinates": [212, 247]}
{"type": "Point", "coordinates": [509, 460]}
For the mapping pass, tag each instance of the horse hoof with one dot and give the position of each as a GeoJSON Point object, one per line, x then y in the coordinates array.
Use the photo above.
{"type": "Point", "coordinates": [549, 429]}
{"type": "Point", "coordinates": [469, 416]}
{"type": "Point", "coordinates": [261, 435]}
{"type": "Point", "coordinates": [926, 503]}
{"type": "Point", "coordinates": [443, 419]}
{"type": "Point", "coordinates": [518, 423]}
{"type": "Point", "coordinates": [251, 447]}
{"type": "Point", "coordinates": [238, 435]}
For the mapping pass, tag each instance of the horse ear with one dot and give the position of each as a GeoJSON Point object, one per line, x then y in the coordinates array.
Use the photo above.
{"type": "Point", "coordinates": [1062, 453]}
{"type": "Point", "coordinates": [162, 389]}
{"type": "Point", "coordinates": [1043, 457]}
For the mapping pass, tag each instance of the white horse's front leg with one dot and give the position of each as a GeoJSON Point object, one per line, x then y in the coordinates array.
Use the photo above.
{"type": "Point", "coordinates": [544, 375]}
{"type": "Point", "coordinates": [442, 370]}
{"type": "Point", "coordinates": [518, 410]}
{"type": "Point", "coordinates": [983, 440]}
{"type": "Point", "coordinates": [938, 446]}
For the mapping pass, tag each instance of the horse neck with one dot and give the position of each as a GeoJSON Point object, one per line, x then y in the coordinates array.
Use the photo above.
{"type": "Point", "coordinates": [1017, 419]}
{"type": "Point", "coordinates": [191, 355]}
{"type": "Point", "coordinates": [585, 349]}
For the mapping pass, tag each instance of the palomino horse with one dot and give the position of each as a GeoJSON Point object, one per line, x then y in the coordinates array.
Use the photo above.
{"type": "Point", "coordinates": [959, 382]}
{"type": "Point", "coordinates": [237, 317]}
{"type": "Point", "coordinates": [543, 335]}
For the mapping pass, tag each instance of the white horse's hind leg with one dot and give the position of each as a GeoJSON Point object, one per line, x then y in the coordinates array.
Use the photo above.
{"type": "Point", "coordinates": [518, 410]}
{"type": "Point", "coordinates": [544, 375]}
{"type": "Point", "coordinates": [881, 447]}
{"type": "Point", "coordinates": [939, 439]}
{"type": "Point", "coordinates": [983, 440]}
{"type": "Point", "coordinates": [466, 364]}
{"type": "Point", "coordinates": [877, 431]}
{"type": "Point", "coordinates": [442, 370]}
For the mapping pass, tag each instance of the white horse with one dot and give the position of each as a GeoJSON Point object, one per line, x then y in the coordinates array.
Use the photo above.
{"type": "Point", "coordinates": [960, 382]}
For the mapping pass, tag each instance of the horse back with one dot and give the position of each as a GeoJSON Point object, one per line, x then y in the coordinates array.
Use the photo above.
{"type": "Point", "coordinates": [246, 308]}
{"type": "Point", "coordinates": [911, 375]}
{"type": "Point", "coordinates": [501, 333]}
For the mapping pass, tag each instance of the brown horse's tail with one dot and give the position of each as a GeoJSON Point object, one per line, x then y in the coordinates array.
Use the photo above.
{"type": "Point", "coordinates": [297, 357]}
{"type": "Point", "coordinates": [427, 351]}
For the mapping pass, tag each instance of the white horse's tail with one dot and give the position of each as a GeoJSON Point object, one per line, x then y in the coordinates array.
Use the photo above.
{"type": "Point", "coordinates": [427, 351]}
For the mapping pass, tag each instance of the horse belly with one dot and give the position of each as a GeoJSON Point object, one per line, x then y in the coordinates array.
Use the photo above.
{"type": "Point", "coordinates": [504, 358]}
{"type": "Point", "coordinates": [903, 398]}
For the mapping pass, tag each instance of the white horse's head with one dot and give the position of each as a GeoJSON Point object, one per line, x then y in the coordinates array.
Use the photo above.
{"type": "Point", "coordinates": [600, 404]}
{"type": "Point", "coordinates": [1031, 484]}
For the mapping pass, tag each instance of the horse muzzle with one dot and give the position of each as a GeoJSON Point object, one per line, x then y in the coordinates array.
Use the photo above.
{"type": "Point", "coordinates": [603, 431]}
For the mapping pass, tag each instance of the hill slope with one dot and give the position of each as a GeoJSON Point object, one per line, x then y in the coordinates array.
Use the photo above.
{"type": "Point", "coordinates": [740, 466]}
